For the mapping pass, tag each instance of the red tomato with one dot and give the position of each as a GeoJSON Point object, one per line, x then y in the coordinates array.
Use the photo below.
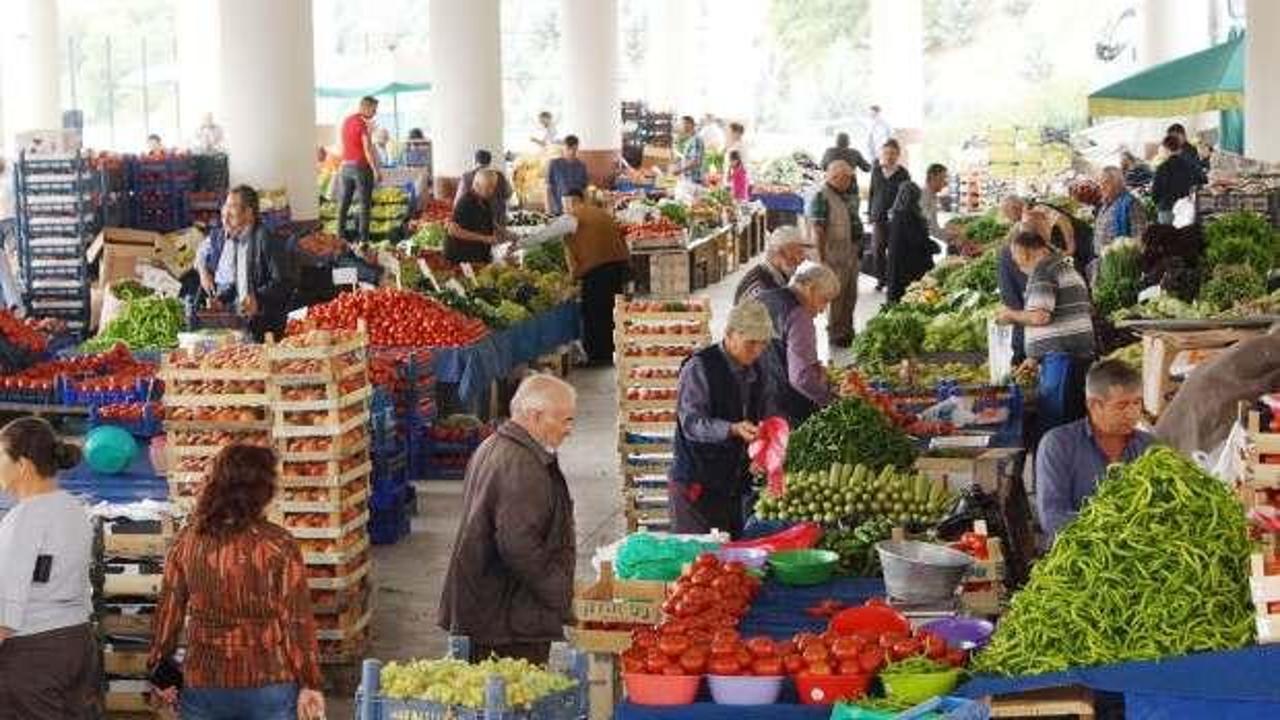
{"type": "Point", "coordinates": [905, 649]}
{"type": "Point", "coordinates": [761, 647]}
{"type": "Point", "coordinates": [890, 639]}
{"type": "Point", "coordinates": [632, 665]}
{"type": "Point", "coordinates": [673, 646]}
{"type": "Point", "coordinates": [793, 664]}
{"type": "Point", "coordinates": [693, 661]}
{"type": "Point", "coordinates": [935, 648]}
{"type": "Point", "coordinates": [767, 666]}
{"type": "Point", "coordinates": [724, 647]}
{"type": "Point", "coordinates": [655, 661]}
{"type": "Point", "coordinates": [673, 670]}
{"type": "Point", "coordinates": [728, 635]}
{"type": "Point", "coordinates": [846, 648]}
{"type": "Point", "coordinates": [722, 665]}
{"type": "Point", "coordinates": [849, 667]}
{"type": "Point", "coordinates": [871, 660]}
{"type": "Point", "coordinates": [819, 668]}
{"type": "Point", "coordinates": [815, 652]}
{"type": "Point", "coordinates": [957, 658]}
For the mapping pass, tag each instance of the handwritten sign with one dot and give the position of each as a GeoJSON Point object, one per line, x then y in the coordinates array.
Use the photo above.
{"type": "Point", "coordinates": [345, 276]}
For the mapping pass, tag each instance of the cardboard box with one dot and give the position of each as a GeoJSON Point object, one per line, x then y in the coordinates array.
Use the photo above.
{"type": "Point", "coordinates": [1161, 348]}
{"type": "Point", "coordinates": [120, 250]}
{"type": "Point", "coordinates": [989, 468]}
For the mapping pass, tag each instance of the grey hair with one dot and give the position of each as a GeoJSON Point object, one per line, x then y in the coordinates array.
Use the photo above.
{"type": "Point", "coordinates": [539, 393]}
{"type": "Point", "coordinates": [818, 278]}
{"type": "Point", "coordinates": [782, 237]}
{"type": "Point", "coordinates": [1106, 375]}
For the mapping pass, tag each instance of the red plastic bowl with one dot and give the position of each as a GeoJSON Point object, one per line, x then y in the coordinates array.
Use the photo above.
{"type": "Point", "coordinates": [830, 689]}
{"type": "Point", "coordinates": [871, 620]}
{"type": "Point", "coordinates": [661, 689]}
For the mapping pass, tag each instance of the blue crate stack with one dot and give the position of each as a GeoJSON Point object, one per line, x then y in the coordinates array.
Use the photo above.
{"type": "Point", "coordinates": [400, 414]}
{"type": "Point", "coordinates": [158, 188]}
{"type": "Point", "coordinates": [59, 212]}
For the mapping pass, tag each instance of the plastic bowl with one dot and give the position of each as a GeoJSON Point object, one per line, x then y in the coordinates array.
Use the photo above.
{"type": "Point", "coordinates": [752, 558]}
{"type": "Point", "coordinates": [803, 567]}
{"type": "Point", "coordinates": [869, 620]}
{"type": "Point", "coordinates": [661, 689]}
{"type": "Point", "coordinates": [917, 687]}
{"type": "Point", "coordinates": [962, 633]}
{"type": "Point", "coordinates": [745, 690]}
{"type": "Point", "coordinates": [830, 689]}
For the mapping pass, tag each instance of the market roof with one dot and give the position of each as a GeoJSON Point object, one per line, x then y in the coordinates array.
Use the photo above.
{"type": "Point", "coordinates": [1212, 79]}
{"type": "Point", "coordinates": [394, 88]}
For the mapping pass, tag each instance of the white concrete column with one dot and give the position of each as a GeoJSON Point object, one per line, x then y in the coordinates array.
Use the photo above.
{"type": "Point", "coordinates": [1171, 29]}
{"type": "Point", "coordinates": [897, 73]}
{"type": "Point", "coordinates": [466, 103]}
{"type": "Point", "coordinates": [589, 46]}
{"type": "Point", "coordinates": [1261, 89]}
{"type": "Point", "coordinates": [268, 97]}
{"type": "Point", "coordinates": [670, 75]}
{"type": "Point", "coordinates": [32, 67]}
{"type": "Point", "coordinates": [199, 77]}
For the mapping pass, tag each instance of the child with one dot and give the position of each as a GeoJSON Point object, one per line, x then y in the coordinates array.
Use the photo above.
{"type": "Point", "coordinates": [738, 181]}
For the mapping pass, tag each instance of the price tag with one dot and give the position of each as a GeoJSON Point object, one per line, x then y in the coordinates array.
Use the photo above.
{"type": "Point", "coordinates": [1155, 292]}
{"type": "Point", "coordinates": [345, 276]}
{"type": "Point", "coordinates": [430, 276]}
{"type": "Point", "coordinates": [454, 285]}
{"type": "Point", "coordinates": [468, 272]}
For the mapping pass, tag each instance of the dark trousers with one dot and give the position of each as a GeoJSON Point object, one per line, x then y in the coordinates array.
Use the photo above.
{"type": "Point", "coordinates": [49, 676]}
{"type": "Point", "coordinates": [355, 178]}
{"type": "Point", "coordinates": [1013, 288]}
{"type": "Point", "coordinates": [538, 653]}
{"type": "Point", "coordinates": [880, 253]}
{"type": "Point", "coordinates": [599, 286]}
{"type": "Point", "coordinates": [708, 512]}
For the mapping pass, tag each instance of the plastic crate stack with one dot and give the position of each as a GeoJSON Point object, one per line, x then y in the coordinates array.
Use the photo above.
{"type": "Point", "coordinates": [129, 569]}
{"type": "Point", "coordinates": [158, 188]}
{"type": "Point", "coordinates": [212, 179]}
{"type": "Point", "coordinates": [274, 209]}
{"type": "Point", "coordinates": [451, 442]}
{"type": "Point", "coordinates": [59, 198]}
{"type": "Point", "coordinates": [652, 340]}
{"type": "Point", "coordinates": [407, 390]}
{"type": "Point", "coordinates": [387, 214]}
{"type": "Point", "coordinates": [320, 391]}
{"type": "Point", "coordinates": [212, 400]}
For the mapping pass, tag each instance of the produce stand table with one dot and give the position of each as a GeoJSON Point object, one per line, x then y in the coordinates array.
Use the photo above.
{"type": "Point", "coordinates": [1237, 684]}
{"type": "Point", "coordinates": [680, 269]}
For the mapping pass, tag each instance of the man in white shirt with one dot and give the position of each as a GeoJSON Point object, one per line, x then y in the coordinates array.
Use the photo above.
{"type": "Point", "coordinates": [546, 136]}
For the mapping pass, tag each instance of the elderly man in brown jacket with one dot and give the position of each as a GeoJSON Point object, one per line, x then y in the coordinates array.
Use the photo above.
{"type": "Point", "coordinates": [509, 585]}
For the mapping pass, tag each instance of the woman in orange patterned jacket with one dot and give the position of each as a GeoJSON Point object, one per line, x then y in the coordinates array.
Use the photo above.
{"type": "Point", "coordinates": [251, 638]}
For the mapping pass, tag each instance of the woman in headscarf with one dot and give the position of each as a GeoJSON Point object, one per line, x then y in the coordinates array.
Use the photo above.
{"type": "Point", "coordinates": [910, 249]}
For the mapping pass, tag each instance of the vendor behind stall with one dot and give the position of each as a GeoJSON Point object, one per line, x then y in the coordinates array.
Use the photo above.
{"type": "Point", "coordinates": [241, 268]}
{"type": "Point", "coordinates": [564, 175]}
{"type": "Point", "coordinates": [1073, 458]}
{"type": "Point", "coordinates": [796, 383]}
{"type": "Point", "coordinates": [472, 230]}
{"type": "Point", "coordinates": [718, 407]}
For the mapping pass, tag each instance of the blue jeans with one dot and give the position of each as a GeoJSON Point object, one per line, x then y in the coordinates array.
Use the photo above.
{"type": "Point", "coordinates": [270, 702]}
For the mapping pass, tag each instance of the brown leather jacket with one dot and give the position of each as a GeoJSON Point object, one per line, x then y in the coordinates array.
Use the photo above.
{"type": "Point", "coordinates": [510, 578]}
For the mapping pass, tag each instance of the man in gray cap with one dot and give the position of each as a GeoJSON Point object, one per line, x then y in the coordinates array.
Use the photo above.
{"type": "Point", "coordinates": [718, 406]}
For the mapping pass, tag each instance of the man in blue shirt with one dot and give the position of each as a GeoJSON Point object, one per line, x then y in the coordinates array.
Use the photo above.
{"type": "Point", "coordinates": [692, 152]}
{"type": "Point", "coordinates": [565, 174]}
{"type": "Point", "coordinates": [1073, 458]}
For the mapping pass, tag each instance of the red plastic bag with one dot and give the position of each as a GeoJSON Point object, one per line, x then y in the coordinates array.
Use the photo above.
{"type": "Point", "coordinates": [769, 451]}
{"type": "Point", "coordinates": [801, 536]}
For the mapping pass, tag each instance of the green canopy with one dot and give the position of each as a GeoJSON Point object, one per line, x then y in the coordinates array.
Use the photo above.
{"type": "Point", "coordinates": [1211, 79]}
{"type": "Point", "coordinates": [394, 88]}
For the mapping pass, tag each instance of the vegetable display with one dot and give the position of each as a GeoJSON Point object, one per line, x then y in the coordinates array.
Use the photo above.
{"type": "Point", "coordinates": [1156, 565]}
{"type": "Point", "coordinates": [1119, 277]}
{"type": "Point", "coordinates": [856, 546]}
{"type": "Point", "coordinates": [848, 493]}
{"type": "Point", "coordinates": [979, 274]}
{"type": "Point", "coordinates": [21, 333]}
{"type": "Point", "coordinates": [1242, 238]}
{"type": "Point", "coordinates": [145, 322]}
{"type": "Point", "coordinates": [395, 318]}
{"type": "Point", "coordinates": [1231, 284]}
{"type": "Point", "coordinates": [889, 337]}
{"type": "Point", "coordinates": [458, 683]}
{"type": "Point", "coordinates": [848, 431]}
{"type": "Point", "coordinates": [956, 332]}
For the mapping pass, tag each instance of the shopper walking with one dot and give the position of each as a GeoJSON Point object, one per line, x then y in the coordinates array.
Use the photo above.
{"type": "Point", "coordinates": [47, 650]}
{"type": "Point", "coordinates": [911, 250]}
{"type": "Point", "coordinates": [796, 383]}
{"type": "Point", "coordinates": [359, 171]}
{"type": "Point", "coordinates": [509, 586]}
{"type": "Point", "coordinates": [565, 174]}
{"type": "Point", "coordinates": [719, 405]}
{"type": "Point", "coordinates": [879, 131]}
{"type": "Point", "coordinates": [837, 233]}
{"type": "Point", "coordinates": [238, 586]}
{"type": "Point", "coordinates": [887, 177]}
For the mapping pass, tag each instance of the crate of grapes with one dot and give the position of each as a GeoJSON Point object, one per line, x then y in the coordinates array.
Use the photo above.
{"type": "Point", "coordinates": [453, 689]}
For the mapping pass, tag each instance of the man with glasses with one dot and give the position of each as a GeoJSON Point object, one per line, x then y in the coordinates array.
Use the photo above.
{"type": "Point", "coordinates": [1073, 458]}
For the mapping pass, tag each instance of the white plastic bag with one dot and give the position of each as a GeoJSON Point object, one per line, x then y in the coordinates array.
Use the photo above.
{"type": "Point", "coordinates": [1227, 462]}
{"type": "Point", "coordinates": [999, 351]}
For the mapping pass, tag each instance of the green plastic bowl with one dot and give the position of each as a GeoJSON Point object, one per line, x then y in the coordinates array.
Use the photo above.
{"type": "Point", "coordinates": [915, 688]}
{"type": "Point", "coordinates": [803, 567]}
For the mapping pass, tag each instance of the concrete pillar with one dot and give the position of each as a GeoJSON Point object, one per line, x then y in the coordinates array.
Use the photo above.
{"type": "Point", "coordinates": [268, 97]}
{"type": "Point", "coordinates": [670, 74]}
{"type": "Point", "coordinates": [32, 67]}
{"type": "Point", "coordinates": [1171, 29]}
{"type": "Point", "coordinates": [199, 76]}
{"type": "Point", "coordinates": [1261, 90]}
{"type": "Point", "coordinates": [592, 106]}
{"type": "Point", "coordinates": [897, 74]}
{"type": "Point", "coordinates": [466, 107]}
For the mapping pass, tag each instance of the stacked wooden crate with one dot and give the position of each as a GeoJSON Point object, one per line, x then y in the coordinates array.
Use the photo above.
{"type": "Point", "coordinates": [320, 392]}
{"type": "Point", "coordinates": [652, 339]}
{"type": "Point", "coordinates": [1260, 489]}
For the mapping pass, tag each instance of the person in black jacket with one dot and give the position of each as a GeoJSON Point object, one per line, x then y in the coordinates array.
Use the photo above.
{"type": "Point", "coordinates": [910, 248]}
{"type": "Point", "coordinates": [242, 267]}
{"type": "Point", "coordinates": [1175, 179]}
{"type": "Point", "coordinates": [886, 177]}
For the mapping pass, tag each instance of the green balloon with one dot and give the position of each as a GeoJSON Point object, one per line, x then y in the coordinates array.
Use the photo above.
{"type": "Point", "coordinates": [109, 449]}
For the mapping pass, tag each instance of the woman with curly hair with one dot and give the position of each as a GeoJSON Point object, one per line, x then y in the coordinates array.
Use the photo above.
{"type": "Point", "coordinates": [251, 638]}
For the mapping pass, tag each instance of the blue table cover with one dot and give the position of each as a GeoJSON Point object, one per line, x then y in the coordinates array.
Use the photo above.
{"type": "Point", "coordinates": [781, 202]}
{"type": "Point", "coordinates": [474, 367]}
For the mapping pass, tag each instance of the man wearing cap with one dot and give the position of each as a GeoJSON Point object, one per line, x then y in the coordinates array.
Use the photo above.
{"type": "Point", "coordinates": [783, 253]}
{"type": "Point", "coordinates": [718, 405]}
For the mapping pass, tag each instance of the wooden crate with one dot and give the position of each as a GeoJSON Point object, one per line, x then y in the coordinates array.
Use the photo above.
{"type": "Point", "coordinates": [333, 427]}
{"type": "Point", "coordinates": [1074, 701]}
{"type": "Point", "coordinates": [605, 690]}
{"type": "Point", "coordinates": [335, 528]}
{"type": "Point", "coordinates": [1265, 589]}
{"type": "Point", "coordinates": [1259, 475]}
{"type": "Point", "coordinates": [328, 499]}
{"type": "Point", "coordinates": [346, 632]}
{"type": "Point", "coordinates": [333, 477]}
{"type": "Point", "coordinates": [1160, 349]}
{"type": "Point", "coordinates": [989, 468]}
{"type": "Point", "coordinates": [342, 551]}
{"type": "Point", "coordinates": [119, 540]}
{"type": "Point", "coordinates": [342, 581]}
{"type": "Point", "coordinates": [124, 663]}
{"type": "Point", "coordinates": [613, 601]}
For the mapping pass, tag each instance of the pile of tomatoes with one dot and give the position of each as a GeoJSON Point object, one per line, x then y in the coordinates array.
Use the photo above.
{"type": "Point", "coordinates": [395, 318]}
{"type": "Point", "coordinates": [130, 412]}
{"type": "Point", "coordinates": [854, 385]}
{"type": "Point", "coordinates": [21, 333]}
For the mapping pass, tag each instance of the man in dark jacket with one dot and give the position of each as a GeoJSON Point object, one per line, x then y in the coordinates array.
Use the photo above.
{"type": "Point", "coordinates": [911, 250]}
{"type": "Point", "coordinates": [783, 253]}
{"type": "Point", "coordinates": [241, 268]}
{"type": "Point", "coordinates": [718, 405]}
{"type": "Point", "coordinates": [509, 586]}
{"type": "Point", "coordinates": [1176, 177]}
{"type": "Point", "coordinates": [886, 177]}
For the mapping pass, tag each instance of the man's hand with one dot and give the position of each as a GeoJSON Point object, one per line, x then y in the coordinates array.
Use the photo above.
{"type": "Point", "coordinates": [249, 305]}
{"type": "Point", "coordinates": [745, 430]}
{"type": "Point", "coordinates": [164, 698]}
{"type": "Point", "coordinates": [206, 282]}
{"type": "Point", "coordinates": [1028, 369]}
{"type": "Point", "coordinates": [1004, 316]}
{"type": "Point", "coordinates": [310, 705]}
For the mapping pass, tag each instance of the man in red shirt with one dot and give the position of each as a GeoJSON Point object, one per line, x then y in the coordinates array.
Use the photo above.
{"type": "Point", "coordinates": [359, 166]}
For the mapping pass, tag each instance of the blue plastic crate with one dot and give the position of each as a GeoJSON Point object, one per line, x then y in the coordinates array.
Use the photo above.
{"type": "Point", "coordinates": [138, 482]}
{"type": "Point", "coordinates": [142, 391]}
{"type": "Point", "coordinates": [389, 499]}
{"type": "Point", "coordinates": [388, 527]}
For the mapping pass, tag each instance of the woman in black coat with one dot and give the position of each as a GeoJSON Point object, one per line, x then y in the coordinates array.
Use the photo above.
{"type": "Point", "coordinates": [910, 249]}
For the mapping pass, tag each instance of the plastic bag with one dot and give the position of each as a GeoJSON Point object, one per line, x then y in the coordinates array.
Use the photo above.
{"type": "Point", "coordinates": [769, 451]}
{"type": "Point", "coordinates": [109, 450]}
{"type": "Point", "coordinates": [649, 557]}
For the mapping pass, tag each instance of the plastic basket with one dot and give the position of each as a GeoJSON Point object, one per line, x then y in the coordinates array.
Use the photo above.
{"type": "Point", "coordinates": [143, 390]}
{"type": "Point", "coordinates": [147, 427]}
{"type": "Point", "coordinates": [388, 527]}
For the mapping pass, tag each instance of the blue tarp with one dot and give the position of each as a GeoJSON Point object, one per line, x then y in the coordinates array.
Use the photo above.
{"type": "Point", "coordinates": [781, 202]}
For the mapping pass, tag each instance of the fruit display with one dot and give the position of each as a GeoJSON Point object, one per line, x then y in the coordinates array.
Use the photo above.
{"type": "Point", "coordinates": [94, 379]}
{"type": "Point", "coordinates": [652, 416]}
{"type": "Point", "coordinates": [657, 351]}
{"type": "Point", "coordinates": [852, 384]}
{"type": "Point", "coordinates": [220, 414]}
{"type": "Point", "coordinates": [537, 292]}
{"type": "Point", "coordinates": [433, 211]}
{"type": "Point", "coordinates": [854, 494]}
{"type": "Point", "coordinates": [395, 318]}
{"type": "Point", "coordinates": [218, 387]}
{"type": "Point", "coordinates": [660, 229]}
{"type": "Point", "coordinates": [22, 333]}
{"type": "Point", "coordinates": [458, 428]}
{"type": "Point", "coordinates": [455, 683]}
{"type": "Point", "coordinates": [321, 244]}
{"type": "Point", "coordinates": [653, 373]}
{"type": "Point", "coordinates": [639, 307]}
{"type": "Point", "coordinates": [352, 440]}
{"type": "Point", "coordinates": [673, 328]}
{"type": "Point", "coordinates": [129, 412]}
{"type": "Point", "coordinates": [668, 394]}
{"type": "Point", "coordinates": [216, 438]}
{"type": "Point", "coordinates": [231, 357]}
{"type": "Point", "coordinates": [850, 431]}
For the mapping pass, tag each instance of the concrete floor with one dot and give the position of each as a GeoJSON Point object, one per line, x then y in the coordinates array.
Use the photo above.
{"type": "Point", "coordinates": [408, 576]}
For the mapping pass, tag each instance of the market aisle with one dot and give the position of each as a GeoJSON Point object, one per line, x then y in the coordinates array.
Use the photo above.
{"type": "Point", "coordinates": [409, 576]}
